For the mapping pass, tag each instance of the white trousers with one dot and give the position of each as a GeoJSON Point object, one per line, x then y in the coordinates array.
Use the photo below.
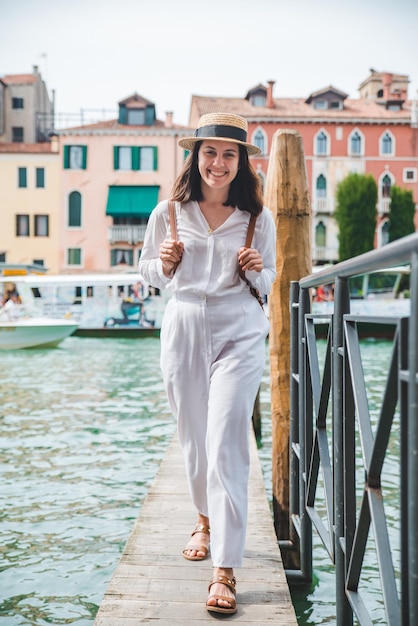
{"type": "Point", "coordinates": [212, 359]}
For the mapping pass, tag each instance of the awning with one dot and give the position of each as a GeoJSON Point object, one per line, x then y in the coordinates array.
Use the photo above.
{"type": "Point", "coordinates": [131, 200]}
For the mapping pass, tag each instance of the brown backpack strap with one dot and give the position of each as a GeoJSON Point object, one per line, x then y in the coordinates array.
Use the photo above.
{"type": "Point", "coordinates": [173, 219]}
{"type": "Point", "coordinates": [250, 231]}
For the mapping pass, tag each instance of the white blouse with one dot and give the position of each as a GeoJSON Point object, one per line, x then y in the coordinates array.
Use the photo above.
{"type": "Point", "coordinates": [210, 260]}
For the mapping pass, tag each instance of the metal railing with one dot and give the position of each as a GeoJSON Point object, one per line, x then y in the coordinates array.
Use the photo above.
{"type": "Point", "coordinates": [330, 418]}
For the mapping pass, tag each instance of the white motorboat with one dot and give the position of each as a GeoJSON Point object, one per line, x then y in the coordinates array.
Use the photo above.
{"type": "Point", "coordinates": [35, 332]}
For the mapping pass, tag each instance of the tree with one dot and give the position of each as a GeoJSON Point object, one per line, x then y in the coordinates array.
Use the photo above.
{"type": "Point", "coordinates": [356, 214]}
{"type": "Point", "coordinates": [401, 214]}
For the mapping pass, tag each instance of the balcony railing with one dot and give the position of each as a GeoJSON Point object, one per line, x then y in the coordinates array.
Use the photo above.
{"type": "Point", "coordinates": [323, 205]}
{"type": "Point", "coordinates": [126, 234]}
{"type": "Point", "coordinates": [384, 206]}
{"type": "Point", "coordinates": [325, 253]}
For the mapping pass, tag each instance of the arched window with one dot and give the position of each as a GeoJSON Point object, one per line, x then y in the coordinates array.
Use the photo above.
{"type": "Point", "coordinates": [320, 235]}
{"type": "Point", "coordinates": [386, 183]}
{"type": "Point", "coordinates": [355, 143]}
{"type": "Point", "coordinates": [259, 140]}
{"type": "Point", "coordinates": [74, 209]}
{"type": "Point", "coordinates": [386, 145]}
{"type": "Point", "coordinates": [321, 186]}
{"type": "Point", "coordinates": [385, 233]}
{"type": "Point", "coordinates": [321, 143]}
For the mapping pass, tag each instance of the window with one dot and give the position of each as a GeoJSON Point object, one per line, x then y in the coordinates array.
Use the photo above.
{"type": "Point", "coordinates": [321, 143]}
{"type": "Point", "coordinates": [74, 209]}
{"type": "Point", "coordinates": [386, 183]}
{"type": "Point", "coordinates": [148, 159]}
{"type": "Point", "coordinates": [355, 143]}
{"type": "Point", "coordinates": [22, 226]}
{"type": "Point", "coordinates": [258, 100]}
{"type": "Point", "coordinates": [320, 104]}
{"type": "Point", "coordinates": [40, 262]}
{"type": "Point", "coordinates": [125, 158]}
{"type": "Point", "coordinates": [320, 235]}
{"type": "Point", "coordinates": [40, 177]}
{"type": "Point", "coordinates": [130, 158]}
{"type": "Point", "coordinates": [386, 144]}
{"type": "Point", "coordinates": [121, 257]}
{"type": "Point", "coordinates": [22, 177]}
{"type": "Point", "coordinates": [17, 103]}
{"type": "Point", "coordinates": [41, 225]}
{"type": "Point", "coordinates": [259, 140]}
{"type": "Point", "coordinates": [2, 257]}
{"type": "Point", "coordinates": [136, 117]}
{"type": "Point", "coordinates": [17, 134]}
{"type": "Point", "coordinates": [74, 256]}
{"type": "Point", "coordinates": [321, 186]}
{"type": "Point", "coordinates": [335, 104]}
{"type": "Point", "coordinates": [410, 175]}
{"type": "Point", "coordinates": [75, 157]}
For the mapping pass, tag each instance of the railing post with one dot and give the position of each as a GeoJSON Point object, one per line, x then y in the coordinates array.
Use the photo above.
{"type": "Point", "coordinates": [305, 440]}
{"type": "Point", "coordinates": [294, 503]}
{"type": "Point", "coordinates": [412, 456]}
{"type": "Point", "coordinates": [341, 307]}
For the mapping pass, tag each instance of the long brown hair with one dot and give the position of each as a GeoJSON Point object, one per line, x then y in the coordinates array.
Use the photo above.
{"type": "Point", "coordinates": [244, 191]}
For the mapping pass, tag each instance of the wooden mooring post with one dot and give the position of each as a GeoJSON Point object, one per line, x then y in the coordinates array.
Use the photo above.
{"type": "Point", "coordinates": [287, 196]}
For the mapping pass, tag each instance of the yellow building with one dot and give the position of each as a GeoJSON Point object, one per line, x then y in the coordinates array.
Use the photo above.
{"type": "Point", "coordinates": [30, 203]}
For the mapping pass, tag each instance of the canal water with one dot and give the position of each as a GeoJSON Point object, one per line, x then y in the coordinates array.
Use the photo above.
{"type": "Point", "coordinates": [83, 429]}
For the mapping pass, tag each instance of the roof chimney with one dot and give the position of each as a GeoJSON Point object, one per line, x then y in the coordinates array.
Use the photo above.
{"type": "Point", "coordinates": [270, 101]}
{"type": "Point", "coordinates": [387, 84]}
{"type": "Point", "coordinates": [169, 119]}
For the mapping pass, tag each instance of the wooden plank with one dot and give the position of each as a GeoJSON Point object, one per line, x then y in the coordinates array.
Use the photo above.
{"type": "Point", "coordinates": [152, 581]}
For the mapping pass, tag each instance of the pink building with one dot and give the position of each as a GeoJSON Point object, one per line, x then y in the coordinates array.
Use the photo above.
{"type": "Point", "coordinates": [376, 134]}
{"type": "Point", "coordinates": [113, 174]}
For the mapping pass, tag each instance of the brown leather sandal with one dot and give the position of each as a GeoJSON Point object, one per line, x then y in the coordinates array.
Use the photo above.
{"type": "Point", "coordinates": [200, 528]}
{"type": "Point", "coordinates": [228, 582]}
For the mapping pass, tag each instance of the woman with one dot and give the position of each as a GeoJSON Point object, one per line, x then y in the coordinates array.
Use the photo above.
{"type": "Point", "coordinates": [213, 331]}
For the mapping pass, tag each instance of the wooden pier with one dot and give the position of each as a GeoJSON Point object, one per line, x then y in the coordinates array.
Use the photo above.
{"type": "Point", "coordinates": [154, 584]}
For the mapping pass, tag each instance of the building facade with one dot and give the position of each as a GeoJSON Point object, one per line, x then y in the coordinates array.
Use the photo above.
{"type": "Point", "coordinates": [26, 110]}
{"type": "Point", "coordinates": [113, 173]}
{"type": "Point", "coordinates": [376, 134]}
{"type": "Point", "coordinates": [29, 204]}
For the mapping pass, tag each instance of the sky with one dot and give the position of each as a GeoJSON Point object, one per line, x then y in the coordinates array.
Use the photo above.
{"type": "Point", "coordinates": [94, 53]}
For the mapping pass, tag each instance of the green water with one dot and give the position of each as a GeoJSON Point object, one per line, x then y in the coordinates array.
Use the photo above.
{"type": "Point", "coordinates": [82, 431]}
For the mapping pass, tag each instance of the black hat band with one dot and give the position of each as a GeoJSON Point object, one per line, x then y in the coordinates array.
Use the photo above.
{"type": "Point", "coordinates": [226, 132]}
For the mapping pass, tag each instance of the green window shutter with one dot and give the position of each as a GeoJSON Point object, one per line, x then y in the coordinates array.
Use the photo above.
{"type": "Point", "coordinates": [66, 157]}
{"type": "Point", "coordinates": [22, 178]}
{"type": "Point", "coordinates": [84, 166]}
{"type": "Point", "coordinates": [155, 158]}
{"type": "Point", "coordinates": [115, 157]}
{"type": "Point", "coordinates": [40, 177]}
{"type": "Point", "coordinates": [74, 209]}
{"type": "Point", "coordinates": [135, 158]}
{"type": "Point", "coordinates": [122, 115]}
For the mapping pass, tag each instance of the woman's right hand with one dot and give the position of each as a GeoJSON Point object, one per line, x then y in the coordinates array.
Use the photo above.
{"type": "Point", "coordinates": [171, 253]}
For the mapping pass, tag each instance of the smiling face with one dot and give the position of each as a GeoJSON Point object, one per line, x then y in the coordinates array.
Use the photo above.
{"type": "Point", "coordinates": [218, 163]}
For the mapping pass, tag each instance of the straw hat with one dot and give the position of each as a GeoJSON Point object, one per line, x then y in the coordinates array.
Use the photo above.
{"type": "Point", "coordinates": [221, 127]}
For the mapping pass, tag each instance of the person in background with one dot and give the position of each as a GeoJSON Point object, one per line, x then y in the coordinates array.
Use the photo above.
{"type": "Point", "coordinates": [213, 332]}
{"type": "Point", "coordinates": [11, 309]}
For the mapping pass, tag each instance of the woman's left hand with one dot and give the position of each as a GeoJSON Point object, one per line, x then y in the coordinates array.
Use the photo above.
{"type": "Point", "coordinates": [250, 259]}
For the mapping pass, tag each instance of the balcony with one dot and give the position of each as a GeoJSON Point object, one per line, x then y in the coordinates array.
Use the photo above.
{"type": "Point", "coordinates": [126, 234]}
{"type": "Point", "coordinates": [323, 205]}
{"type": "Point", "coordinates": [384, 206]}
{"type": "Point", "coordinates": [325, 253]}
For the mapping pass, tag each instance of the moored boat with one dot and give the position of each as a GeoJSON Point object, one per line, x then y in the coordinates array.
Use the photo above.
{"type": "Point", "coordinates": [34, 332]}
